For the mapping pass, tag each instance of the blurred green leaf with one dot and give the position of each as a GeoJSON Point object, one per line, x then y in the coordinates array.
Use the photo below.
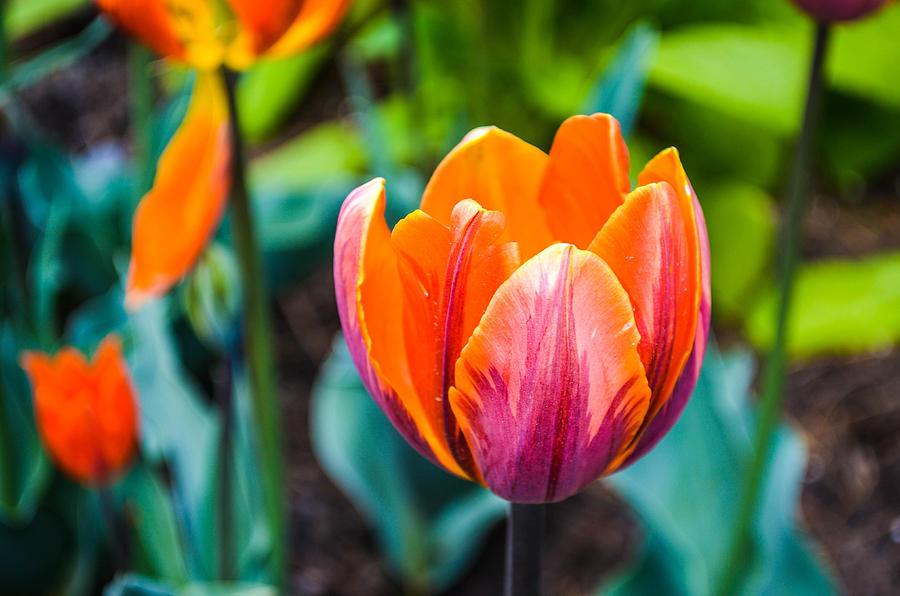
{"type": "Point", "coordinates": [330, 151]}
{"type": "Point", "coordinates": [863, 57]}
{"type": "Point", "coordinates": [754, 73]}
{"type": "Point", "coordinates": [838, 306]}
{"type": "Point", "coordinates": [25, 16]}
{"type": "Point", "coordinates": [741, 224]}
{"type": "Point", "coordinates": [33, 556]}
{"type": "Point", "coordinates": [24, 470]}
{"type": "Point", "coordinates": [620, 89]}
{"type": "Point", "coordinates": [686, 493]}
{"type": "Point", "coordinates": [135, 585]}
{"type": "Point", "coordinates": [430, 524]}
{"type": "Point", "coordinates": [149, 509]}
{"type": "Point", "coordinates": [269, 91]}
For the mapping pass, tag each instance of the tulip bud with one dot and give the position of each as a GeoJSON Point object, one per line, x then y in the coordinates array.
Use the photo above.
{"type": "Point", "coordinates": [86, 412]}
{"type": "Point", "coordinates": [212, 295]}
{"type": "Point", "coordinates": [839, 10]}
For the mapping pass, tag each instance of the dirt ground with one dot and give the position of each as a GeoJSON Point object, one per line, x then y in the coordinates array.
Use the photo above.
{"type": "Point", "coordinates": [847, 408]}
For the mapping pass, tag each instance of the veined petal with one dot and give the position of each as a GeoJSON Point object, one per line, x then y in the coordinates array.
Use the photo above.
{"type": "Point", "coordinates": [586, 178]}
{"type": "Point", "coordinates": [449, 277]}
{"type": "Point", "coordinates": [265, 20]}
{"type": "Point", "coordinates": [502, 173]}
{"type": "Point", "coordinates": [550, 388]}
{"type": "Point", "coordinates": [147, 20]}
{"type": "Point", "coordinates": [667, 166]}
{"type": "Point", "coordinates": [651, 243]}
{"type": "Point", "coordinates": [316, 19]}
{"type": "Point", "coordinates": [175, 220]}
{"type": "Point", "coordinates": [370, 298]}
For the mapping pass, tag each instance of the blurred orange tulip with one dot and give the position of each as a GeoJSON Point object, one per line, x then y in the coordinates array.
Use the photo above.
{"type": "Point", "coordinates": [182, 211]}
{"type": "Point", "coordinates": [208, 33]}
{"type": "Point", "coordinates": [86, 412]}
{"type": "Point", "coordinates": [537, 323]}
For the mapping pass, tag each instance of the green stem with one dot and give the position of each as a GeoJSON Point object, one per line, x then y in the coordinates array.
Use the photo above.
{"type": "Point", "coordinates": [116, 531]}
{"type": "Point", "coordinates": [524, 549]}
{"type": "Point", "coordinates": [227, 564]}
{"type": "Point", "coordinates": [141, 100]}
{"type": "Point", "coordinates": [257, 342]}
{"type": "Point", "coordinates": [774, 375]}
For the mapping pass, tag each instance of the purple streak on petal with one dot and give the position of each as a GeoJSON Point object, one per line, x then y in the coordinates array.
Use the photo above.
{"type": "Point", "coordinates": [538, 414]}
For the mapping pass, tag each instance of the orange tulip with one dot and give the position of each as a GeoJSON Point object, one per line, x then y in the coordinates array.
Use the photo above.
{"type": "Point", "coordinates": [208, 33]}
{"type": "Point", "coordinates": [185, 206]}
{"type": "Point", "coordinates": [86, 412]}
{"type": "Point", "coordinates": [536, 323]}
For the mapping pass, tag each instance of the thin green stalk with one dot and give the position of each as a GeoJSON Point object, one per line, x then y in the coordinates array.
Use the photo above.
{"type": "Point", "coordinates": [140, 89]}
{"type": "Point", "coordinates": [524, 549]}
{"type": "Point", "coordinates": [8, 497]}
{"type": "Point", "coordinates": [257, 343]}
{"type": "Point", "coordinates": [227, 565]}
{"type": "Point", "coordinates": [774, 374]}
{"type": "Point", "coordinates": [116, 531]}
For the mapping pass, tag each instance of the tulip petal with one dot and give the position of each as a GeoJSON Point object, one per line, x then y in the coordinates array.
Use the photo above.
{"type": "Point", "coordinates": [369, 295]}
{"type": "Point", "coordinates": [586, 178]}
{"type": "Point", "coordinates": [667, 167]}
{"type": "Point", "coordinates": [86, 413]}
{"type": "Point", "coordinates": [175, 220]}
{"type": "Point", "coordinates": [265, 20]}
{"type": "Point", "coordinates": [651, 243]}
{"type": "Point", "coordinates": [449, 277]}
{"type": "Point", "coordinates": [502, 173]}
{"type": "Point", "coordinates": [316, 19]}
{"type": "Point", "coordinates": [550, 388]}
{"type": "Point", "coordinates": [147, 20]}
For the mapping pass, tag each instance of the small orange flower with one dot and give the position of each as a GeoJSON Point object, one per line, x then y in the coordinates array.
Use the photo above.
{"type": "Point", "coordinates": [182, 211]}
{"type": "Point", "coordinates": [86, 412]}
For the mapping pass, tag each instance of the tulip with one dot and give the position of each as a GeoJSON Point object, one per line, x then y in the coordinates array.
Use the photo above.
{"type": "Point", "coordinates": [181, 212]}
{"type": "Point", "coordinates": [839, 10]}
{"type": "Point", "coordinates": [86, 412]}
{"type": "Point", "coordinates": [536, 324]}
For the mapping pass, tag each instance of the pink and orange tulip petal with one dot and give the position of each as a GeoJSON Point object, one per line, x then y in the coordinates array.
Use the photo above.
{"type": "Point", "coordinates": [537, 323]}
{"type": "Point", "coordinates": [86, 411]}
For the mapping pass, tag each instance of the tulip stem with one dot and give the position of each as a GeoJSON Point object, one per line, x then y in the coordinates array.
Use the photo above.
{"type": "Point", "coordinates": [226, 527]}
{"type": "Point", "coordinates": [257, 342]}
{"type": "Point", "coordinates": [524, 549]}
{"type": "Point", "coordinates": [774, 374]}
{"type": "Point", "coordinates": [141, 101]}
{"type": "Point", "coordinates": [118, 536]}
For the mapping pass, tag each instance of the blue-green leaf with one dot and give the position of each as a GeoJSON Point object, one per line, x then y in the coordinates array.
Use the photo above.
{"type": "Point", "coordinates": [430, 524]}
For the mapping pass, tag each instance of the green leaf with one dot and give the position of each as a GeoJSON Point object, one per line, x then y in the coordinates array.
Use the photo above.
{"type": "Point", "coordinates": [430, 524]}
{"type": "Point", "coordinates": [25, 16]}
{"type": "Point", "coordinates": [863, 57]}
{"type": "Point", "coordinates": [621, 88]}
{"type": "Point", "coordinates": [740, 253]}
{"type": "Point", "coordinates": [328, 152]}
{"type": "Point", "coordinates": [24, 470]}
{"type": "Point", "coordinates": [149, 509]}
{"type": "Point", "coordinates": [838, 306]}
{"type": "Point", "coordinates": [687, 493]}
{"type": "Point", "coordinates": [269, 92]}
{"type": "Point", "coordinates": [33, 556]}
{"type": "Point", "coordinates": [752, 73]}
{"type": "Point", "coordinates": [136, 585]}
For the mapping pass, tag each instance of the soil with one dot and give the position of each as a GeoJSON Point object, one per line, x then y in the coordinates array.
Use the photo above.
{"type": "Point", "coordinates": [847, 409]}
